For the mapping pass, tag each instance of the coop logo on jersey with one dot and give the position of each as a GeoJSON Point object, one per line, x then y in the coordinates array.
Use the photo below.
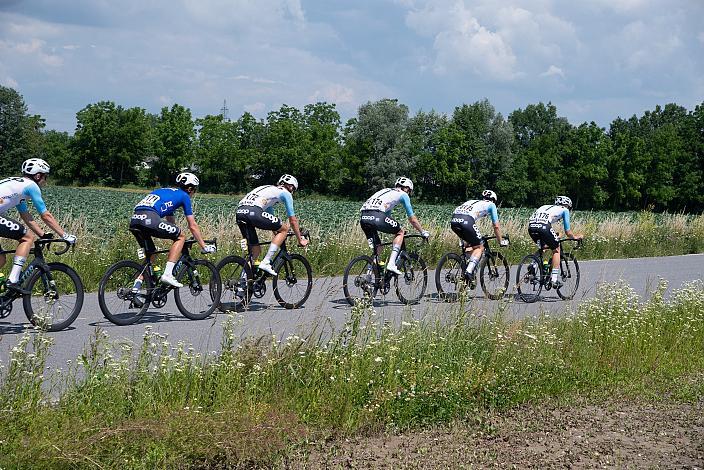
{"type": "Point", "coordinates": [168, 227]}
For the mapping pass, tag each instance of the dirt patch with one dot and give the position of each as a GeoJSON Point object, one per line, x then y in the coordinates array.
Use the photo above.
{"type": "Point", "coordinates": [616, 434]}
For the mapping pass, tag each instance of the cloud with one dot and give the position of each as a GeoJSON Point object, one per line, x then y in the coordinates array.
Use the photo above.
{"type": "Point", "coordinates": [553, 71]}
{"type": "Point", "coordinates": [254, 108]}
{"type": "Point", "coordinates": [334, 93]}
{"type": "Point", "coordinates": [9, 82]}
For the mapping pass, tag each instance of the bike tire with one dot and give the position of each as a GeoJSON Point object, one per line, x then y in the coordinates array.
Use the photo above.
{"type": "Point", "coordinates": [118, 306]}
{"type": "Point", "coordinates": [193, 300]}
{"type": "Point", "coordinates": [449, 277]}
{"type": "Point", "coordinates": [361, 275]}
{"type": "Point", "coordinates": [495, 276]}
{"type": "Point", "coordinates": [529, 278]}
{"type": "Point", "coordinates": [70, 288]}
{"type": "Point", "coordinates": [288, 276]}
{"type": "Point", "coordinates": [569, 275]}
{"type": "Point", "coordinates": [415, 278]}
{"type": "Point", "coordinates": [230, 269]}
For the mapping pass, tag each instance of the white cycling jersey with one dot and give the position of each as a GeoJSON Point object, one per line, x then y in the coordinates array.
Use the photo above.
{"type": "Point", "coordinates": [14, 192]}
{"type": "Point", "coordinates": [386, 199]}
{"type": "Point", "coordinates": [478, 208]}
{"type": "Point", "coordinates": [266, 197]}
{"type": "Point", "coordinates": [549, 214]}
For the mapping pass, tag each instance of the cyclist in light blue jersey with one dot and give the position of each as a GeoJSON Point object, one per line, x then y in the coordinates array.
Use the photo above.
{"type": "Point", "coordinates": [14, 192]}
{"type": "Point", "coordinates": [256, 210]}
{"type": "Point", "coordinates": [376, 216]}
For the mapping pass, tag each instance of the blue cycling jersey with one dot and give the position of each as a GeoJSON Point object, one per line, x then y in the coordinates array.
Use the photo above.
{"type": "Point", "coordinates": [165, 201]}
{"type": "Point", "coordinates": [14, 192]}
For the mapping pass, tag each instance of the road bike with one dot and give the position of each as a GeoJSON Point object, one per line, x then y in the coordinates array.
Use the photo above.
{"type": "Point", "coordinates": [123, 304]}
{"type": "Point", "coordinates": [494, 275]}
{"type": "Point", "coordinates": [533, 274]}
{"type": "Point", "coordinates": [242, 279]}
{"type": "Point", "coordinates": [366, 275]}
{"type": "Point", "coordinates": [52, 292]}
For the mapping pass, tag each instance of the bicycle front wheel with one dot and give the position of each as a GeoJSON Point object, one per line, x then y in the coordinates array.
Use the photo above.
{"type": "Point", "coordinates": [236, 290]}
{"type": "Point", "coordinates": [56, 297]}
{"type": "Point", "coordinates": [411, 285]}
{"type": "Point", "coordinates": [294, 282]}
{"type": "Point", "coordinates": [529, 278]}
{"type": "Point", "coordinates": [360, 280]}
{"type": "Point", "coordinates": [200, 294]}
{"type": "Point", "coordinates": [569, 275]}
{"type": "Point", "coordinates": [118, 301]}
{"type": "Point", "coordinates": [494, 276]}
{"type": "Point", "coordinates": [449, 277]}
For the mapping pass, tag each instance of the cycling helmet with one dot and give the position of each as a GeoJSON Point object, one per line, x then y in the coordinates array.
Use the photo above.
{"type": "Point", "coordinates": [563, 201]}
{"type": "Point", "coordinates": [34, 166]}
{"type": "Point", "coordinates": [405, 182]}
{"type": "Point", "coordinates": [489, 195]}
{"type": "Point", "coordinates": [288, 179]}
{"type": "Point", "coordinates": [186, 179]}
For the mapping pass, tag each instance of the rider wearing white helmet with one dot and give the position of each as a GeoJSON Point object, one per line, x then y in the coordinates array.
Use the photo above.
{"type": "Point", "coordinates": [154, 217]}
{"type": "Point", "coordinates": [376, 217]}
{"type": "Point", "coordinates": [14, 192]}
{"type": "Point", "coordinates": [464, 220]}
{"type": "Point", "coordinates": [541, 231]}
{"type": "Point", "coordinates": [256, 210]}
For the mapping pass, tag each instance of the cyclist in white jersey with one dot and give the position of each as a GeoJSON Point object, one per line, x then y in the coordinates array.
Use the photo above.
{"type": "Point", "coordinates": [14, 192]}
{"type": "Point", "coordinates": [464, 224]}
{"type": "Point", "coordinates": [541, 231]}
{"type": "Point", "coordinates": [256, 210]}
{"type": "Point", "coordinates": [376, 216]}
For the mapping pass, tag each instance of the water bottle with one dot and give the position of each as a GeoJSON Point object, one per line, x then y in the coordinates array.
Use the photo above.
{"type": "Point", "coordinates": [546, 266]}
{"type": "Point", "coordinates": [157, 271]}
{"type": "Point", "coordinates": [3, 280]}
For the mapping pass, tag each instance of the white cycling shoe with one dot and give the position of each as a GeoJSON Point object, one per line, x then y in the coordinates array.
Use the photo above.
{"type": "Point", "coordinates": [266, 267]}
{"type": "Point", "coordinates": [170, 280]}
{"type": "Point", "coordinates": [392, 268]}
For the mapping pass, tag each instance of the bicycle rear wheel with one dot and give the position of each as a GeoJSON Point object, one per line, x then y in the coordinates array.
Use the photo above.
{"type": "Point", "coordinates": [236, 290]}
{"type": "Point", "coordinates": [529, 278]}
{"type": "Point", "coordinates": [569, 275]}
{"type": "Point", "coordinates": [56, 297]}
{"type": "Point", "coordinates": [117, 301]}
{"type": "Point", "coordinates": [411, 285]}
{"type": "Point", "coordinates": [495, 276]}
{"type": "Point", "coordinates": [200, 294]}
{"type": "Point", "coordinates": [449, 277]}
{"type": "Point", "coordinates": [293, 282]}
{"type": "Point", "coordinates": [360, 280]}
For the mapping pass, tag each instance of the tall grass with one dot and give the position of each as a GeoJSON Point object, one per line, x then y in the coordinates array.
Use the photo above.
{"type": "Point", "coordinates": [158, 404]}
{"type": "Point", "coordinates": [614, 236]}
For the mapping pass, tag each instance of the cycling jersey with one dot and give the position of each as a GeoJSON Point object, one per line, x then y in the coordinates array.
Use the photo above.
{"type": "Point", "coordinates": [265, 197]}
{"type": "Point", "coordinates": [14, 192]}
{"type": "Point", "coordinates": [165, 201]}
{"type": "Point", "coordinates": [478, 209]}
{"type": "Point", "coordinates": [549, 214]}
{"type": "Point", "coordinates": [386, 199]}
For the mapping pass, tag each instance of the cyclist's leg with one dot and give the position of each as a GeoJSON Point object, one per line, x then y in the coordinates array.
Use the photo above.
{"type": "Point", "coordinates": [151, 225]}
{"type": "Point", "coordinates": [370, 231]}
{"type": "Point", "coordinates": [12, 229]}
{"type": "Point", "coordinates": [466, 228]}
{"type": "Point", "coordinates": [255, 218]}
{"type": "Point", "coordinates": [389, 225]}
{"type": "Point", "coordinates": [552, 240]}
{"type": "Point", "coordinates": [249, 232]}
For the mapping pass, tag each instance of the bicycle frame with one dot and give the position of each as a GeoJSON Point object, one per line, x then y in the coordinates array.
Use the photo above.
{"type": "Point", "coordinates": [540, 253]}
{"type": "Point", "coordinates": [382, 275]}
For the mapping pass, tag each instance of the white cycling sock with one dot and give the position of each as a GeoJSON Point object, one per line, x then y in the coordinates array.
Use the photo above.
{"type": "Point", "coordinates": [169, 269]}
{"type": "Point", "coordinates": [473, 261]}
{"type": "Point", "coordinates": [394, 254]}
{"type": "Point", "coordinates": [17, 264]}
{"type": "Point", "coordinates": [555, 273]}
{"type": "Point", "coordinates": [272, 251]}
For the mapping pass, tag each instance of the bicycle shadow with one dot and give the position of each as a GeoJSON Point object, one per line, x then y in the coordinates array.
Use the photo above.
{"type": "Point", "coordinates": [149, 317]}
{"type": "Point", "coordinates": [7, 328]}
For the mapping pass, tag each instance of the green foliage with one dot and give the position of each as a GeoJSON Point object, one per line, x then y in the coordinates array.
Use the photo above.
{"type": "Point", "coordinates": [20, 133]}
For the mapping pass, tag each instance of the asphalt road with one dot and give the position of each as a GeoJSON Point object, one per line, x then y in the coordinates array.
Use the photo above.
{"type": "Point", "coordinates": [327, 311]}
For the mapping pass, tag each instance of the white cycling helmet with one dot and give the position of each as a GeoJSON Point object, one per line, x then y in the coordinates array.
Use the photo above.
{"type": "Point", "coordinates": [563, 201]}
{"type": "Point", "coordinates": [489, 195]}
{"type": "Point", "coordinates": [34, 166]}
{"type": "Point", "coordinates": [288, 179]}
{"type": "Point", "coordinates": [405, 182]}
{"type": "Point", "coordinates": [187, 179]}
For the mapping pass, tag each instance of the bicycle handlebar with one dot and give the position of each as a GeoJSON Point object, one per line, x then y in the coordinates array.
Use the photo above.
{"type": "Point", "coordinates": [580, 241]}
{"type": "Point", "coordinates": [305, 233]}
{"type": "Point", "coordinates": [189, 243]}
{"type": "Point", "coordinates": [48, 241]}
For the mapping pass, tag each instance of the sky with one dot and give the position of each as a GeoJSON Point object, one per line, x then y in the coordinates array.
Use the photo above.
{"type": "Point", "coordinates": [594, 60]}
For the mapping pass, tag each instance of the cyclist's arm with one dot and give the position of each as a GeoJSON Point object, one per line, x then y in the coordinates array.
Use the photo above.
{"type": "Point", "coordinates": [35, 194]}
{"type": "Point", "coordinates": [413, 220]}
{"type": "Point", "coordinates": [51, 222]}
{"type": "Point", "coordinates": [195, 230]}
{"type": "Point", "coordinates": [286, 198]}
{"type": "Point", "coordinates": [293, 220]}
{"type": "Point", "coordinates": [29, 220]}
{"type": "Point", "coordinates": [494, 216]}
{"type": "Point", "coordinates": [568, 229]}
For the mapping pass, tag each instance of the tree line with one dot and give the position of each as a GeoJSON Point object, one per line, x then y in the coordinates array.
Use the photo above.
{"type": "Point", "coordinates": [652, 161]}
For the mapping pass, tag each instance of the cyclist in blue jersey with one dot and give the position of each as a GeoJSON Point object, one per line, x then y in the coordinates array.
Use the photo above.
{"type": "Point", "coordinates": [154, 217]}
{"type": "Point", "coordinates": [376, 217]}
{"type": "Point", "coordinates": [464, 224]}
{"type": "Point", "coordinates": [256, 210]}
{"type": "Point", "coordinates": [14, 192]}
{"type": "Point", "coordinates": [541, 231]}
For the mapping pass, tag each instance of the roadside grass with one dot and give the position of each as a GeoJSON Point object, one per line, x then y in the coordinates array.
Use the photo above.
{"type": "Point", "coordinates": [612, 236]}
{"type": "Point", "coordinates": [252, 403]}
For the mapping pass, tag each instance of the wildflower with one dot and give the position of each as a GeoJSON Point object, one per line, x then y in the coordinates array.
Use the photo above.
{"type": "Point", "coordinates": [378, 359]}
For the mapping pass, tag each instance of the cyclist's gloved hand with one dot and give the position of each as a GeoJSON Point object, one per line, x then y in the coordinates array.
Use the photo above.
{"type": "Point", "coordinates": [208, 249]}
{"type": "Point", "coordinates": [70, 238]}
{"type": "Point", "coordinates": [47, 236]}
{"type": "Point", "coordinates": [503, 242]}
{"type": "Point", "coordinates": [425, 234]}
{"type": "Point", "coordinates": [303, 241]}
